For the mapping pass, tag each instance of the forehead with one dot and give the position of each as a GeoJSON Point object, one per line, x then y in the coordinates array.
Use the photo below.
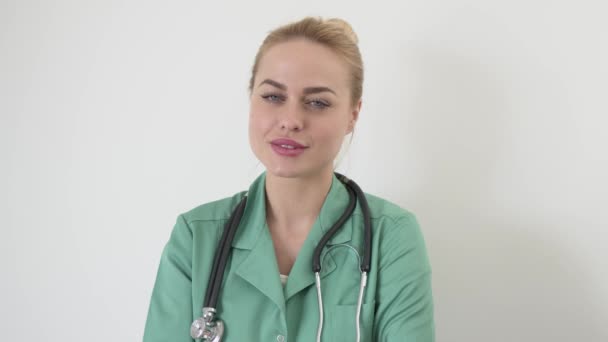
{"type": "Point", "coordinates": [301, 63]}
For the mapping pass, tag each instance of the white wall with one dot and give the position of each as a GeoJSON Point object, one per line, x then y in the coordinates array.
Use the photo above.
{"type": "Point", "coordinates": [485, 118]}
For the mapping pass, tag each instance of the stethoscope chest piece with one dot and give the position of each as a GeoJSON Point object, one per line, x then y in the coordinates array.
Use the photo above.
{"type": "Point", "coordinates": [206, 328]}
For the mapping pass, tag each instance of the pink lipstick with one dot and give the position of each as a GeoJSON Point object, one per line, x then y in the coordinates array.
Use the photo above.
{"type": "Point", "coordinates": [287, 147]}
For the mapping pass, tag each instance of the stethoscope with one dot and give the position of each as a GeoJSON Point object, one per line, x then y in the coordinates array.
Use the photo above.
{"type": "Point", "coordinates": [210, 329]}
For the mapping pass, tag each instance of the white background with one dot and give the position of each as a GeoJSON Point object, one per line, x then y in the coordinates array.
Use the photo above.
{"type": "Point", "coordinates": [487, 119]}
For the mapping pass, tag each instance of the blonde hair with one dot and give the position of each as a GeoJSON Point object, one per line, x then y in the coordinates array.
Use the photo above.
{"type": "Point", "coordinates": [333, 33]}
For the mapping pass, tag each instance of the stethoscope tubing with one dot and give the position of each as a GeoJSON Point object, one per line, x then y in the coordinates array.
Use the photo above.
{"type": "Point", "coordinates": [221, 257]}
{"type": "Point", "coordinates": [223, 252]}
{"type": "Point", "coordinates": [316, 257]}
{"type": "Point", "coordinates": [367, 221]}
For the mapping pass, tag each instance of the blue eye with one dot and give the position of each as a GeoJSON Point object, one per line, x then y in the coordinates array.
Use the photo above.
{"type": "Point", "coordinates": [272, 97]}
{"type": "Point", "coordinates": [318, 104]}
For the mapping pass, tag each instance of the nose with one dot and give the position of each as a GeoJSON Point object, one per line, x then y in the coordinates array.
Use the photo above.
{"type": "Point", "coordinates": [292, 118]}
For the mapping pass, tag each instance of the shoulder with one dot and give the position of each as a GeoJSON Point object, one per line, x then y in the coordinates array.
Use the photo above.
{"type": "Point", "coordinates": [389, 212]}
{"type": "Point", "coordinates": [395, 226]}
{"type": "Point", "coordinates": [218, 210]}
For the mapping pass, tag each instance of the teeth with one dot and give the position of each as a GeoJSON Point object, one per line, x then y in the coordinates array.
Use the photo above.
{"type": "Point", "coordinates": [288, 146]}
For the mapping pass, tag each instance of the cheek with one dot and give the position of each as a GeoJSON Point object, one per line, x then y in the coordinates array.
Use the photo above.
{"type": "Point", "coordinates": [256, 133]}
{"type": "Point", "coordinates": [330, 136]}
{"type": "Point", "coordinates": [259, 123]}
{"type": "Point", "coordinates": [335, 126]}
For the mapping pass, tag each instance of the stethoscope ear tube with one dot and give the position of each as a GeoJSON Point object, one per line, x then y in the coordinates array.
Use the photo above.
{"type": "Point", "coordinates": [367, 224]}
{"type": "Point", "coordinates": [216, 258]}
{"type": "Point", "coordinates": [316, 257]}
{"type": "Point", "coordinates": [210, 329]}
{"type": "Point", "coordinates": [221, 255]}
{"type": "Point", "coordinates": [355, 193]}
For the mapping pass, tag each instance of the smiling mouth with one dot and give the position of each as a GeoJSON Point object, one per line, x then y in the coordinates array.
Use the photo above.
{"type": "Point", "coordinates": [287, 150]}
{"type": "Point", "coordinates": [288, 146]}
{"type": "Point", "coordinates": [287, 143]}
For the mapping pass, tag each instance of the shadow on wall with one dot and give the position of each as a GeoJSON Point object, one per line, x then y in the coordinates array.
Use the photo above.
{"type": "Point", "coordinates": [497, 277]}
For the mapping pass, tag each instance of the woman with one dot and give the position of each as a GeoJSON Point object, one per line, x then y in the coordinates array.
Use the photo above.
{"type": "Point", "coordinates": [305, 95]}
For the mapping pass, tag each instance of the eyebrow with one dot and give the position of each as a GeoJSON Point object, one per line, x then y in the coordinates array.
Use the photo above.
{"type": "Point", "coordinates": [307, 91]}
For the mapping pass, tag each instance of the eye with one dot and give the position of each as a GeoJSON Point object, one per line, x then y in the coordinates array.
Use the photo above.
{"type": "Point", "coordinates": [275, 98]}
{"type": "Point", "coordinates": [318, 103]}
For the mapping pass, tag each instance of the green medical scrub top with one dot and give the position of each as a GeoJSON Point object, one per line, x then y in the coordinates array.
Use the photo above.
{"type": "Point", "coordinates": [397, 305]}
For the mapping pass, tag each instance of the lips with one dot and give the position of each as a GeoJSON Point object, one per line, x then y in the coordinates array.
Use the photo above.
{"type": "Point", "coordinates": [287, 147]}
{"type": "Point", "coordinates": [287, 143]}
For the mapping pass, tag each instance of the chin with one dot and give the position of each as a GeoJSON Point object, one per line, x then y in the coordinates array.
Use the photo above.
{"type": "Point", "coordinates": [292, 168]}
{"type": "Point", "coordinates": [283, 172]}
{"type": "Point", "coordinates": [293, 172]}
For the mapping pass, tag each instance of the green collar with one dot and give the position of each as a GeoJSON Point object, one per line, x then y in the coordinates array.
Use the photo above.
{"type": "Point", "coordinates": [254, 253]}
{"type": "Point", "coordinates": [254, 217]}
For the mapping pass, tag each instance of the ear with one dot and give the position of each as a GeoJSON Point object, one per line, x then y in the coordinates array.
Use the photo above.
{"type": "Point", "coordinates": [354, 116]}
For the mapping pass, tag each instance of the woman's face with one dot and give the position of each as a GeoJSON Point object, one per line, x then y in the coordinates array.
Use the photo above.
{"type": "Point", "coordinates": [300, 109]}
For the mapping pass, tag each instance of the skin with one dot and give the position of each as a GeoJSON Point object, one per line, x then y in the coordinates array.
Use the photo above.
{"type": "Point", "coordinates": [301, 92]}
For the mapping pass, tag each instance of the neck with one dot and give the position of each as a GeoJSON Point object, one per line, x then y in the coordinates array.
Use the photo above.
{"type": "Point", "coordinates": [294, 203]}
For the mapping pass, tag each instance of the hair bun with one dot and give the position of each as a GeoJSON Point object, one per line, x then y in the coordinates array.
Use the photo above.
{"type": "Point", "coordinates": [345, 27]}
